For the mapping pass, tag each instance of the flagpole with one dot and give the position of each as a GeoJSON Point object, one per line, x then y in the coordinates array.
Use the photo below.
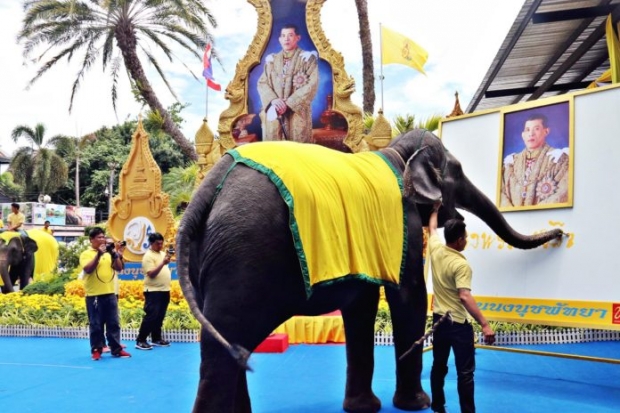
{"type": "Point", "coordinates": [381, 54]}
{"type": "Point", "coordinates": [207, 99]}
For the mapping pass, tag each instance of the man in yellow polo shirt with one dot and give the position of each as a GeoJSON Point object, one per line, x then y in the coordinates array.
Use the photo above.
{"type": "Point", "coordinates": [100, 263]}
{"type": "Point", "coordinates": [46, 228]}
{"type": "Point", "coordinates": [16, 219]}
{"type": "Point", "coordinates": [452, 292]}
{"type": "Point", "coordinates": [156, 293]}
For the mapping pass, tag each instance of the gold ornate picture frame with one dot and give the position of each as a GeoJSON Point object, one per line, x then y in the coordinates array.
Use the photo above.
{"type": "Point", "coordinates": [338, 103]}
{"type": "Point", "coordinates": [536, 157]}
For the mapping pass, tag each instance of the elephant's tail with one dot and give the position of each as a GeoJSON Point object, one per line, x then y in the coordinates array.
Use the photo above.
{"type": "Point", "coordinates": [195, 216]}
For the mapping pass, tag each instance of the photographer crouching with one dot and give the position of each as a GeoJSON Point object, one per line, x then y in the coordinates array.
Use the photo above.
{"type": "Point", "coordinates": [100, 263]}
{"type": "Point", "coordinates": [156, 293]}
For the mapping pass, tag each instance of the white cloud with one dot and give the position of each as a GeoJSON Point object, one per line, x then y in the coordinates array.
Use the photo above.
{"type": "Point", "coordinates": [462, 37]}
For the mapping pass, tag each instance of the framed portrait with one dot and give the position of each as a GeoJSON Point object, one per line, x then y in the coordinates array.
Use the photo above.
{"type": "Point", "coordinates": [536, 156]}
{"type": "Point", "coordinates": [309, 90]}
{"type": "Point", "coordinates": [291, 85]}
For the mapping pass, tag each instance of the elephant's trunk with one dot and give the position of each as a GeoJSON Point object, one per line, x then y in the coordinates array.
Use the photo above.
{"type": "Point", "coordinates": [480, 205]}
{"type": "Point", "coordinates": [4, 273]}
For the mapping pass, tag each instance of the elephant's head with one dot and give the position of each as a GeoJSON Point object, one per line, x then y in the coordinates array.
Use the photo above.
{"type": "Point", "coordinates": [16, 261]}
{"type": "Point", "coordinates": [433, 174]}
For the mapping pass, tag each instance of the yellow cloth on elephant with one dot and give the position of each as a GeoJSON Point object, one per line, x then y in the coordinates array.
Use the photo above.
{"type": "Point", "coordinates": [46, 256]}
{"type": "Point", "coordinates": [346, 210]}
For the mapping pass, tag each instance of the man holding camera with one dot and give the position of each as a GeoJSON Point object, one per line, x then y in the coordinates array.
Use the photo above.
{"type": "Point", "coordinates": [156, 293]}
{"type": "Point", "coordinates": [100, 263]}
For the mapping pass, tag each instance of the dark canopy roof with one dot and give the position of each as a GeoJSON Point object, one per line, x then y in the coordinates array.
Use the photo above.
{"type": "Point", "coordinates": [553, 47]}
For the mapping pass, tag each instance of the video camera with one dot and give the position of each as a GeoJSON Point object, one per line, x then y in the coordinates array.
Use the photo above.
{"type": "Point", "coordinates": [170, 251]}
{"type": "Point", "coordinates": [109, 248]}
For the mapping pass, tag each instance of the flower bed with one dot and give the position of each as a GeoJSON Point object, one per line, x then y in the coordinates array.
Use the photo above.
{"type": "Point", "coordinates": [69, 310]}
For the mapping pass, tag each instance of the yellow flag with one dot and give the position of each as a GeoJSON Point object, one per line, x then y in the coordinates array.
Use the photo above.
{"type": "Point", "coordinates": [397, 48]}
{"type": "Point", "coordinates": [613, 46]}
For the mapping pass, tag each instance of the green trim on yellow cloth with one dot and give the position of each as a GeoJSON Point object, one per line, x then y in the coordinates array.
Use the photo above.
{"type": "Point", "coordinates": [361, 231]}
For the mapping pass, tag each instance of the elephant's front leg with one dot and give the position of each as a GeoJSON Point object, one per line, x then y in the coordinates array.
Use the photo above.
{"type": "Point", "coordinates": [359, 326]}
{"type": "Point", "coordinates": [408, 311]}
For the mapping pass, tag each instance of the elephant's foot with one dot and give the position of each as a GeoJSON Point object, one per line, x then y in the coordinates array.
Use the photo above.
{"type": "Point", "coordinates": [366, 403]}
{"type": "Point", "coordinates": [412, 401]}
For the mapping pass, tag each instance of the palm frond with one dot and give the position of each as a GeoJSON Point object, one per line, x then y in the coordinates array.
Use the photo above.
{"type": "Point", "coordinates": [21, 165]}
{"type": "Point", "coordinates": [89, 59]}
{"type": "Point", "coordinates": [161, 73]}
{"type": "Point", "coordinates": [115, 68]}
{"type": "Point", "coordinates": [22, 131]}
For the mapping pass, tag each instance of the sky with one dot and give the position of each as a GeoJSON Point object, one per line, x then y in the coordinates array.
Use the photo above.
{"type": "Point", "coordinates": [461, 37]}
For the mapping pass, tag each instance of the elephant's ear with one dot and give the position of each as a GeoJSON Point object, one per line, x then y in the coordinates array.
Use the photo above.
{"type": "Point", "coordinates": [30, 245]}
{"type": "Point", "coordinates": [422, 180]}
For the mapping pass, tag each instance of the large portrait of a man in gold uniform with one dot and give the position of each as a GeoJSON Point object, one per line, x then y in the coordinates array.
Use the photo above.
{"type": "Point", "coordinates": [536, 158]}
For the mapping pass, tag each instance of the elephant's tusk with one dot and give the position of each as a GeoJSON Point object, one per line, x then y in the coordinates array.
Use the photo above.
{"type": "Point", "coordinates": [443, 318]}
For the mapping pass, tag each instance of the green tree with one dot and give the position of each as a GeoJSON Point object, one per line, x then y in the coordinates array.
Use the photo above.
{"type": "Point", "coordinates": [72, 147]}
{"type": "Point", "coordinates": [404, 123]}
{"type": "Point", "coordinates": [37, 168]}
{"type": "Point", "coordinates": [116, 30]}
{"type": "Point", "coordinates": [9, 188]}
{"type": "Point", "coordinates": [368, 71]}
{"type": "Point", "coordinates": [179, 184]}
{"type": "Point", "coordinates": [113, 145]}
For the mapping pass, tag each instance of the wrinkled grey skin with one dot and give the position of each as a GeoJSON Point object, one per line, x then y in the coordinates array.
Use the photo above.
{"type": "Point", "coordinates": [239, 271]}
{"type": "Point", "coordinates": [17, 262]}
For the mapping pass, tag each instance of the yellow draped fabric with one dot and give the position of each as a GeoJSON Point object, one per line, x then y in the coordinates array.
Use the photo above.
{"type": "Point", "coordinates": [346, 209]}
{"type": "Point", "coordinates": [604, 78]}
{"type": "Point", "coordinates": [613, 47]}
{"type": "Point", "coordinates": [396, 48]}
{"type": "Point", "coordinates": [313, 330]}
{"type": "Point", "coordinates": [46, 257]}
{"type": "Point", "coordinates": [611, 75]}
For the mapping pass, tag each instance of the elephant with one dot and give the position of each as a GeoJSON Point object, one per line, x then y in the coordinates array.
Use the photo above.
{"type": "Point", "coordinates": [16, 260]}
{"type": "Point", "coordinates": [241, 275]}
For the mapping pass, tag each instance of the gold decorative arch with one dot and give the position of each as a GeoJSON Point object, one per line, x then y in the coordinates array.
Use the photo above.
{"type": "Point", "coordinates": [344, 85]}
{"type": "Point", "coordinates": [140, 207]}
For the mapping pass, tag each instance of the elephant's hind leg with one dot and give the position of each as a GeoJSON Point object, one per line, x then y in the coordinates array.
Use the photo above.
{"type": "Point", "coordinates": [219, 378]}
{"type": "Point", "coordinates": [359, 322]}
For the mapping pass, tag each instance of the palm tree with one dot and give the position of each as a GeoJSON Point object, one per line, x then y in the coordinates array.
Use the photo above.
{"type": "Point", "coordinates": [97, 26]}
{"type": "Point", "coordinates": [404, 123]}
{"type": "Point", "coordinates": [368, 71]}
{"type": "Point", "coordinates": [69, 147]}
{"type": "Point", "coordinates": [179, 184]}
{"type": "Point", "coordinates": [35, 167]}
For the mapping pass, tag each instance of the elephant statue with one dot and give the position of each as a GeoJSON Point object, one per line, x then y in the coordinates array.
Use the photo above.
{"type": "Point", "coordinates": [239, 268]}
{"type": "Point", "coordinates": [16, 260]}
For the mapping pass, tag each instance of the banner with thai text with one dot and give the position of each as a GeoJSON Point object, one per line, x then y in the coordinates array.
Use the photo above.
{"type": "Point", "coordinates": [133, 271]}
{"type": "Point", "coordinates": [569, 313]}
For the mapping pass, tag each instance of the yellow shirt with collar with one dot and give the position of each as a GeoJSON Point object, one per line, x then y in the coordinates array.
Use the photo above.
{"type": "Point", "coordinates": [14, 219]}
{"type": "Point", "coordinates": [101, 281]}
{"type": "Point", "coordinates": [451, 271]}
{"type": "Point", "coordinates": [150, 261]}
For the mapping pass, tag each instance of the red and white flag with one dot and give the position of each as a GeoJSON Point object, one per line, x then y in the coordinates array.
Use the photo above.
{"type": "Point", "coordinates": [208, 69]}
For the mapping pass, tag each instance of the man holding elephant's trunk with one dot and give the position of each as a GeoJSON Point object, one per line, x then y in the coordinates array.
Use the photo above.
{"type": "Point", "coordinates": [452, 292]}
